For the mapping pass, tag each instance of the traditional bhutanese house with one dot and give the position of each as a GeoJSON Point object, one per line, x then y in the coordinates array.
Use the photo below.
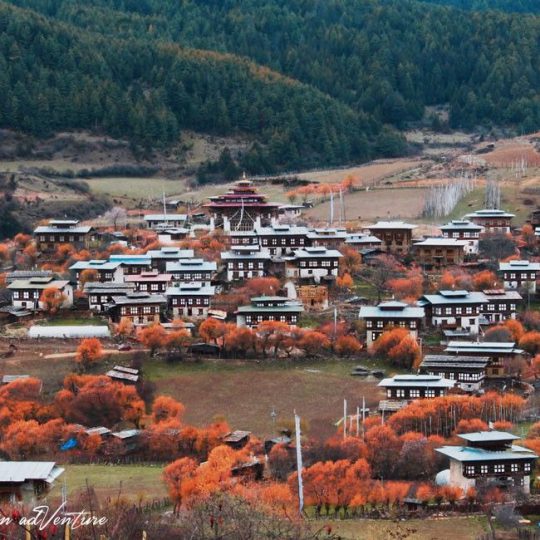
{"type": "Point", "coordinates": [282, 239]}
{"type": "Point", "coordinates": [27, 274]}
{"type": "Point", "coordinates": [124, 374]}
{"type": "Point", "coordinates": [269, 308]}
{"type": "Point", "coordinates": [360, 241]}
{"type": "Point", "coordinates": [313, 263]}
{"type": "Point", "coordinates": [500, 354]}
{"type": "Point", "coordinates": [493, 220]}
{"type": "Point", "coordinates": [501, 305]}
{"type": "Point", "coordinates": [26, 293]}
{"type": "Point", "coordinates": [165, 221]}
{"type": "Point", "coordinates": [313, 297]}
{"type": "Point", "coordinates": [241, 208]}
{"type": "Point", "coordinates": [188, 270]}
{"type": "Point", "coordinates": [106, 270]}
{"type": "Point", "coordinates": [389, 315]}
{"type": "Point", "coordinates": [237, 439]}
{"type": "Point", "coordinates": [468, 371]}
{"type": "Point", "coordinates": [409, 387]}
{"type": "Point", "coordinates": [27, 479]}
{"type": "Point", "coordinates": [519, 274]}
{"type": "Point", "coordinates": [153, 281]}
{"type": "Point", "coordinates": [132, 264]}
{"type": "Point", "coordinates": [190, 299]}
{"type": "Point", "coordinates": [437, 253]}
{"type": "Point", "coordinates": [63, 231]}
{"type": "Point", "coordinates": [396, 236]}
{"type": "Point", "coordinates": [139, 307]}
{"type": "Point", "coordinates": [291, 211]}
{"type": "Point", "coordinates": [173, 235]}
{"type": "Point", "coordinates": [100, 294]}
{"type": "Point", "coordinates": [161, 257]}
{"type": "Point", "coordinates": [243, 238]}
{"type": "Point", "coordinates": [463, 229]}
{"type": "Point", "coordinates": [454, 309]}
{"type": "Point", "coordinates": [245, 262]}
{"type": "Point", "coordinates": [328, 237]}
{"type": "Point", "coordinates": [489, 458]}
{"type": "Point", "coordinates": [252, 469]}
{"type": "Point", "coordinates": [129, 440]}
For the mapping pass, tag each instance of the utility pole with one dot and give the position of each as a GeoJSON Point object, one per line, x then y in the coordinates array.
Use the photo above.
{"type": "Point", "coordinates": [299, 463]}
{"type": "Point", "coordinates": [344, 418]}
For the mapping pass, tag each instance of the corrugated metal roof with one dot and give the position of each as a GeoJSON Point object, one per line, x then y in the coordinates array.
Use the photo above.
{"type": "Point", "coordinates": [467, 453]}
{"type": "Point", "coordinates": [21, 471]}
{"type": "Point", "coordinates": [38, 331]}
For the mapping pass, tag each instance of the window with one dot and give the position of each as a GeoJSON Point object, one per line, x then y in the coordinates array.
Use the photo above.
{"type": "Point", "coordinates": [448, 311]}
{"type": "Point", "coordinates": [527, 467]}
{"type": "Point", "coordinates": [499, 468]}
{"type": "Point", "coordinates": [380, 324]}
{"type": "Point", "coordinates": [400, 392]}
{"type": "Point", "coordinates": [430, 393]}
{"type": "Point", "coordinates": [491, 307]}
{"type": "Point", "coordinates": [484, 469]}
{"type": "Point", "coordinates": [26, 295]}
{"type": "Point", "coordinates": [468, 310]}
{"type": "Point", "coordinates": [413, 324]}
{"type": "Point", "coordinates": [147, 310]}
{"type": "Point", "coordinates": [15, 295]}
{"type": "Point", "coordinates": [414, 393]}
{"type": "Point", "coordinates": [459, 310]}
{"type": "Point", "coordinates": [514, 467]}
{"type": "Point", "coordinates": [513, 307]}
{"type": "Point", "coordinates": [469, 469]}
{"type": "Point", "coordinates": [369, 324]}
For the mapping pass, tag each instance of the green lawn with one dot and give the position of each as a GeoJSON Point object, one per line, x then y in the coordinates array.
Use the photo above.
{"type": "Point", "coordinates": [136, 482]}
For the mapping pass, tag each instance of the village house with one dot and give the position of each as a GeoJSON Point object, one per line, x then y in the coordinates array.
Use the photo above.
{"type": "Point", "coordinates": [27, 274]}
{"type": "Point", "coordinates": [190, 299]}
{"type": "Point", "coordinates": [330, 238]}
{"type": "Point", "coordinates": [245, 262]}
{"type": "Point", "coordinates": [153, 281]}
{"type": "Point", "coordinates": [519, 275]}
{"type": "Point", "coordinates": [291, 211]}
{"type": "Point", "coordinates": [437, 253]}
{"type": "Point", "coordinates": [390, 315]}
{"type": "Point", "coordinates": [502, 355]}
{"type": "Point", "coordinates": [165, 221]}
{"type": "Point", "coordinates": [396, 236]}
{"type": "Point", "coordinates": [25, 480]}
{"type": "Point", "coordinates": [490, 458]}
{"type": "Point", "coordinates": [168, 237]}
{"type": "Point", "coordinates": [26, 293]}
{"type": "Point", "coordinates": [468, 371]}
{"type": "Point", "coordinates": [454, 309]}
{"type": "Point", "coordinates": [282, 239]}
{"type": "Point", "coordinates": [313, 263]}
{"type": "Point", "coordinates": [132, 264]}
{"type": "Point", "coordinates": [313, 297]}
{"type": "Point", "coordinates": [63, 231]}
{"type": "Point", "coordinates": [159, 258]}
{"type": "Point", "coordinates": [106, 271]}
{"type": "Point", "coordinates": [139, 307]}
{"type": "Point", "coordinates": [242, 208]}
{"type": "Point", "coordinates": [269, 308]}
{"type": "Point", "coordinates": [410, 387]}
{"type": "Point", "coordinates": [188, 270]}
{"type": "Point", "coordinates": [493, 220]}
{"type": "Point", "coordinates": [243, 238]}
{"type": "Point", "coordinates": [463, 229]}
{"type": "Point", "coordinates": [501, 305]}
{"type": "Point", "coordinates": [100, 294]}
{"type": "Point", "coordinates": [125, 375]}
{"type": "Point", "coordinates": [360, 241]}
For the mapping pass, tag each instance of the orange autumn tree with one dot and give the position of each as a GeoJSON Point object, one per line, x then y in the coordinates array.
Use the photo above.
{"type": "Point", "coordinates": [398, 346]}
{"type": "Point", "coordinates": [530, 341]}
{"type": "Point", "coordinates": [88, 275]}
{"type": "Point", "coordinates": [212, 331]}
{"type": "Point", "coordinates": [485, 280]}
{"type": "Point", "coordinates": [52, 299]}
{"type": "Point", "coordinates": [89, 352]}
{"type": "Point", "coordinates": [124, 328]}
{"type": "Point", "coordinates": [347, 346]}
{"type": "Point", "coordinates": [177, 475]}
{"type": "Point", "coordinates": [313, 342]}
{"type": "Point", "coordinates": [167, 408]}
{"type": "Point", "coordinates": [345, 281]}
{"type": "Point", "coordinates": [153, 336]}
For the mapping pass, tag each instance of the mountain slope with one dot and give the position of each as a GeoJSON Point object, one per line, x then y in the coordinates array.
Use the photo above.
{"type": "Point", "coordinates": [55, 77]}
{"type": "Point", "coordinates": [386, 58]}
{"type": "Point", "coordinates": [511, 6]}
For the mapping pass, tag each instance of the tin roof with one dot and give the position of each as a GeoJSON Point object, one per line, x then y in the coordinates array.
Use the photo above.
{"type": "Point", "coordinates": [467, 453]}
{"type": "Point", "coordinates": [415, 381]}
{"type": "Point", "coordinates": [22, 471]}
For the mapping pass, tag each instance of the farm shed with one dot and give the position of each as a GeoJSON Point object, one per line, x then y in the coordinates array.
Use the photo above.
{"type": "Point", "coordinates": [73, 332]}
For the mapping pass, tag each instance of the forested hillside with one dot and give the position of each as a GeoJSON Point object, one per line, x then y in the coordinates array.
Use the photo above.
{"type": "Point", "coordinates": [53, 77]}
{"type": "Point", "coordinates": [517, 6]}
{"type": "Point", "coordinates": [362, 64]}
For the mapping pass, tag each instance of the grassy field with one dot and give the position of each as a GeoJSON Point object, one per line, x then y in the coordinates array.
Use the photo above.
{"type": "Point", "coordinates": [136, 188]}
{"type": "Point", "coordinates": [136, 482]}
{"type": "Point", "coordinates": [455, 528]}
{"type": "Point", "coordinates": [399, 203]}
{"type": "Point", "coordinates": [247, 392]}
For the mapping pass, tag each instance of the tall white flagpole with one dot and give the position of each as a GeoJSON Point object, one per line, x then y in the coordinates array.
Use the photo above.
{"type": "Point", "coordinates": [299, 463]}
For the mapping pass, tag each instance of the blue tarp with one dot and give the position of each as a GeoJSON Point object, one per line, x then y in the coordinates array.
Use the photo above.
{"type": "Point", "coordinates": [69, 444]}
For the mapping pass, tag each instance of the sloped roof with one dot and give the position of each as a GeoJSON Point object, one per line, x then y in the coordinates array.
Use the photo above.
{"type": "Point", "coordinates": [22, 471]}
